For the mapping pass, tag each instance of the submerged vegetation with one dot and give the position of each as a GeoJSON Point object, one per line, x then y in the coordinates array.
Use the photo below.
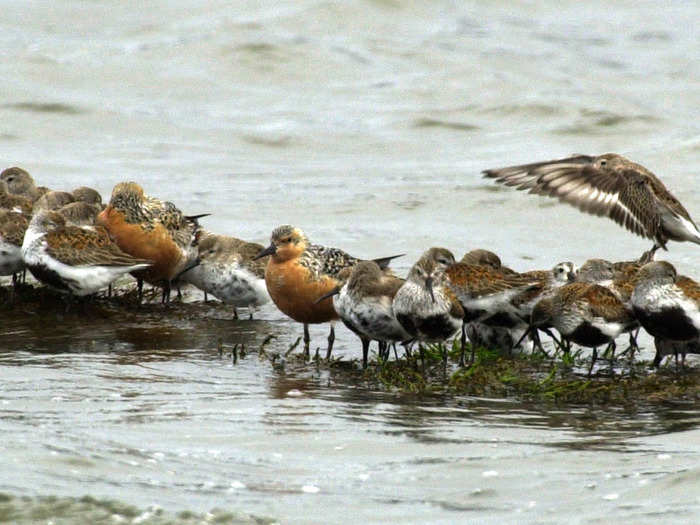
{"type": "Point", "coordinates": [535, 377]}
{"type": "Point", "coordinates": [561, 378]}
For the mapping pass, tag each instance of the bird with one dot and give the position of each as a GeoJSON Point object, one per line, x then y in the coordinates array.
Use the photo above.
{"type": "Point", "coordinates": [665, 347]}
{"type": "Point", "coordinates": [364, 305]}
{"type": "Point", "coordinates": [20, 182]}
{"type": "Point", "coordinates": [87, 195]}
{"type": "Point", "coordinates": [425, 305]}
{"type": "Point", "coordinates": [80, 213]}
{"type": "Point", "coordinates": [666, 304]}
{"type": "Point", "coordinates": [73, 259]}
{"type": "Point", "coordinates": [13, 225]}
{"type": "Point", "coordinates": [608, 185]}
{"type": "Point", "coordinates": [227, 270]}
{"type": "Point", "coordinates": [298, 273]}
{"type": "Point", "coordinates": [52, 200]}
{"type": "Point", "coordinates": [497, 305]}
{"type": "Point", "coordinates": [598, 271]}
{"type": "Point", "coordinates": [587, 314]}
{"type": "Point", "coordinates": [10, 201]}
{"type": "Point", "coordinates": [149, 228]}
{"type": "Point", "coordinates": [483, 257]}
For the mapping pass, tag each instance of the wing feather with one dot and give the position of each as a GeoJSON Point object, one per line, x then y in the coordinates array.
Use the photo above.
{"type": "Point", "coordinates": [618, 194]}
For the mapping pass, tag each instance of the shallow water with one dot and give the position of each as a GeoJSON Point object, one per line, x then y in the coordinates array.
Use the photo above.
{"type": "Point", "coordinates": [366, 124]}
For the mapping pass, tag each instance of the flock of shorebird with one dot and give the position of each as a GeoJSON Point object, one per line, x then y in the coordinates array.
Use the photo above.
{"type": "Point", "coordinates": [73, 243]}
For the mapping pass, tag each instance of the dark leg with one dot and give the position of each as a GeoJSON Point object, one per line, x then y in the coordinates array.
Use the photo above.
{"type": "Point", "coordinates": [235, 313]}
{"type": "Point", "coordinates": [307, 340]}
{"type": "Point", "coordinates": [139, 285]}
{"type": "Point", "coordinates": [206, 297]}
{"type": "Point", "coordinates": [594, 357]}
{"type": "Point", "coordinates": [166, 293]}
{"type": "Point", "coordinates": [463, 341]}
{"type": "Point", "coordinates": [331, 339]}
{"type": "Point", "coordinates": [365, 351]}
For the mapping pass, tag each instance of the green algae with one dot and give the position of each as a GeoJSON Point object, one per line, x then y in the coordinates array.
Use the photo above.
{"type": "Point", "coordinates": [528, 377]}
{"type": "Point", "coordinates": [88, 509]}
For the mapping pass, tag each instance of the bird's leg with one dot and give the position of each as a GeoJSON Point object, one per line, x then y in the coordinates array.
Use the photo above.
{"type": "Point", "coordinates": [365, 351]}
{"type": "Point", "coordinates": [463, 341]}
{"type": "Point", "coordinates": [167, 287]}
{"type": "Point", "coordinates": [307, 340]}
{"type": "Point", "coordinates": [649, 256]}
{"type": "Point", "coordinates": [235, 313]}
{"type": "Point", "coordinates": [611, 350]}
{"type": "Point", "coordinates": [594, 357]}
{"type": "Point", "coordinates": [206, 297]}
{"type": "Point", "coordinates": [331, 339]}
{"type": "Point", "coordinates": [396, 353]}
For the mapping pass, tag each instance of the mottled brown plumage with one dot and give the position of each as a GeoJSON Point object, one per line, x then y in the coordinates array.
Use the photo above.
{"type": "Point", "coordinates": [72, 259]}
{"type": "Point", "coordinates": [87, 195]}
{"type": "Point", "coordinates": [608, 185]}
{"type": "Point", "coordinates": [19, 182]}
{"type": "Point", "coordinates": [9, 201]}
{"type": "Point", "coordinates": [587, 314]}
{"type": "Point", "coordinates": [53, 200]}
{"type": "Point", "coordinates": [151, 229]}
{"type": "Point", "coordinates": [80, 213]}
{"type": "Point", "coordinates": [298, 273]}
{"type": "Point", "coordinates": [12, 227]}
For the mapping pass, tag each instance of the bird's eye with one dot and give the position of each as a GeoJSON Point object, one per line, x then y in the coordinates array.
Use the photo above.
{"type": "Point", "coordinates": [603, 162]}
{"type": "Point", "coordinates": [10, 179]}
{"type": "Point", "coordinates": [444, 261]}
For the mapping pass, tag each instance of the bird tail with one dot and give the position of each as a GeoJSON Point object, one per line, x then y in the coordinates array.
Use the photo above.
{"type": "Point", "coordinates": [383, 262]}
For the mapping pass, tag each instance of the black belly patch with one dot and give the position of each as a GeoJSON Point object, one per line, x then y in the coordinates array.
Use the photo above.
{"type": "Point", "coordinates": [49, 277]}
{"type": "Point", "coordinates": [588, 335]}
{"type": "Point", "coordinates": [436, 327]}
{"type": "Point", "coordinates": [669, 323]}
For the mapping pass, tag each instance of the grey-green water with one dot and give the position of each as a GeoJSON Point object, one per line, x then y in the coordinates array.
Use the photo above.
{"type": "Point", "coordinates": [366, 123]}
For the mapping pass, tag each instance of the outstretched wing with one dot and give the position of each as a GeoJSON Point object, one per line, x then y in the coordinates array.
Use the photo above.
{"type": "Point", "coordinates": [621, 194]}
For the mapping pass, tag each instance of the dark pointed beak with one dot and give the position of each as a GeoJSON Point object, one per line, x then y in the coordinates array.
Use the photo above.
{"type": "Point", "coordinates": [334, 291]}
{"type": "Point", "coordinates": [270, 250]}
{"type": "Point", "coordinates": [571, 276]}
{"type": "Point", "coordinates": [429, 286]}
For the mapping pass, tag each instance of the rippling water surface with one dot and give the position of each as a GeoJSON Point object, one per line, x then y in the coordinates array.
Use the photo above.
{"type": "Point", "coordinates": [367, 124]}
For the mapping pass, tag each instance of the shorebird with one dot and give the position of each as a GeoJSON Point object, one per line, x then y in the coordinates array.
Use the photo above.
{"type": "Point", "coordinates": [587, 314]}
{"type": "Point", "coordinates": [364, 304]}
{"type": "Point", "coordinates": [80, 213]}
{"type": "Point", "coordinates": [609, 185]}
{"type": "Point", "coordinates": [298, 273]}
{"type": "Point", "coordinates": [72, 259]}
{"type": "Point", "coordinates": [87, 195]}
{"type": "Point", "coordinates": [19, 182]}
{"type": "Point", "coordinates": [227, 270]}
{"type": "Point", "coordinates": [12, 202]}
{"type": "Point", "coordinates": [425, 305]}
{"type": "Point", "coordinates": [12, 228]}
{"type": "Point", "coordinates": [667, 304]}
{"type": "Point", "coordinates": [151, 229]}
{"type": "Point", "coordinates": [52, 200]}
{"type": "Point", "coordinates": [497, 305]}
{"type": "Point", "coordinates": [618, 277]}
{"type": "Point", "coordinates": [666, 347]}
